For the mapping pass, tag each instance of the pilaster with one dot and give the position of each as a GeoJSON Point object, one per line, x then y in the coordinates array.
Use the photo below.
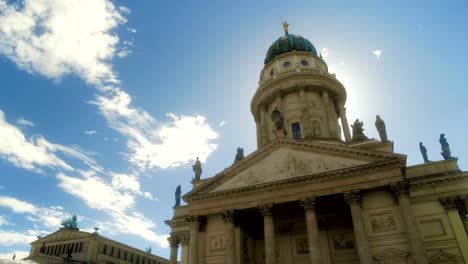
{"type": "Point", "coordinates": [228, 218]}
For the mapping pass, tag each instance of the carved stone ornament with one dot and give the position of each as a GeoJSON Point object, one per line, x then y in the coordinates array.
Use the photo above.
{"type": "Point", "coordinates": [391, 255]}
{"type": "Point", "coordinates": [173, 241]}
{"type": "Point", "coordinates": [193, 221]}
{"type": "Point", "coordinates": [353, 197]}
{"type": "Point", "coordinates": [228, 216]}
{"type": "Point", "coordinates": [444, 257]}
{"type": "Point", "coordinates": [449, 203]}
{"type": "Point", "coordinates": [400, 188]}
{"type": "Point", "coordinates": [266, 210]}
{"type": "Point", "coordinates": [184, 239]}
{"type": "Point", "coordinates": [308, 203]}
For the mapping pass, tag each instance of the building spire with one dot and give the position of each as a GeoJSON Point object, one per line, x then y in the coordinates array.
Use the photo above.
{"type": "Point", "coordinates": [285, 26]}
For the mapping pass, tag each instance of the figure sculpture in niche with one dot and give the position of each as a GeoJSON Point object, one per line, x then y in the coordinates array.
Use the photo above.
{"type": "Point", "coordinates": [197, 168]}
{"type": "Point", "coordinates": [358, 131]}
{"type": "Point", "coordinates": [316, 128]}
{"type": "Point", "coordinates": [423, 152]}
{"type": "Point", "coordinates": [239, 155]}
{"type": "Point", "coordinates": [278, 119]}
{"type": "Point", "coordinates": [445, 148]}
{"type": "Point", "coordinates": [177, 196]}
{"type": "Point", "coordinates": [380, 125]}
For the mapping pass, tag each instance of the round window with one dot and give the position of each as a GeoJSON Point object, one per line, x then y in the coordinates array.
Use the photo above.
{"type": "Point", "coordinates": [304, 62]}
{"type": "Point", "coordinates": [286, 64]}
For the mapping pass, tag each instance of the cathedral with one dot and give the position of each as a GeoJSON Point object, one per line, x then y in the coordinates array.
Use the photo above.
{"type": "Point", "coordinates": [316, 191]}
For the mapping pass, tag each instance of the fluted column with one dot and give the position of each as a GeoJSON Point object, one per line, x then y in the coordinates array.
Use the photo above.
{"type": "Point", "coordinates": [312, 230]}
{"type": "Point", "coordinates": [264, 127]}
{"type": "Point", "coordinates": [269, 231]}
{"type": "Point", "coordinates": [184, 242]}
{"type": "Point", "coordinates": [344, 122]}
{"type": "Point", "coordinates": [353, 199]}
{"type": "Point", "coordinates": [451, 206]}
{"type": "Point", "coordinates": [228, 218]}
{"type": "Point", "coordinates": [194, 224]}
{"type": "Point", "coordinates": [418, 252]}
{"type": "Point", "coordinates": [174, 244]}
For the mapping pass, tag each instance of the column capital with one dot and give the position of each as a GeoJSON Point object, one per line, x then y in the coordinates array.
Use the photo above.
{"type": "Point", "coordinates": [173, 241]}
{"type": "Point", "coordinates": [400, 188]}
{"type": "Point", "coordinates": [228, 216]}
{"type": "Point", "coordinates": [184, 239]}
{"type": "Point", "coordinates": [353, 197]}
{"type": "Point", "coordinates": [308, 203]}
{"type": "Point", "coordinates": [266, 209]}
{"type": "Point", "coordinates": [193, 221]}
{"type": "Point", "coordinates": [449, 203]}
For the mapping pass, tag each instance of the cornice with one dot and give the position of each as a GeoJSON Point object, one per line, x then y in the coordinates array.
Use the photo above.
{"type": "Point", "coordinates": [438, 179]}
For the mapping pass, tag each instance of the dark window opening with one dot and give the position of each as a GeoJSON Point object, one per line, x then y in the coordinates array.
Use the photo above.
{"type": "Point", "coordinates": [296, 131]}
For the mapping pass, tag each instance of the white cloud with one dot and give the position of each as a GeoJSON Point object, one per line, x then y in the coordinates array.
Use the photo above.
{"type": "Point", "coordinates": [26, 153]}
{"type": "Point", "coordinates": [8, 238]}
{"type": "Point", "coordinates": [48, 216]}
{"type": "Point", "coordinates": [90, 132]}
{"type": "Point", "coordinates": [341, 63]}
{"type": "Point", "coordinates": [116, 200]}
{"type": "Point", "coordinates": [222, 123]}
{"type": "Point", "coordinates": [24, 122]}
{"type": "Point", "coordinates": [55, 37]}
{"type": "Point", "coordinates": [324, 53]}
{"type": "Point", "coordinates": [154, 144]}
{"type": "Point", "coordinates": [4, 221]}
{"type": "Point", "coordinates": [377, 53]}
{"type": "Point", "coordinates": [131, 30]}
{"type": "Point", "coordinates": [20, 254]}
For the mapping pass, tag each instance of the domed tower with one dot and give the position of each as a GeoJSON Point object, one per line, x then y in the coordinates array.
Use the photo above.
{"type": "Point", "coordinates": [297, 97]}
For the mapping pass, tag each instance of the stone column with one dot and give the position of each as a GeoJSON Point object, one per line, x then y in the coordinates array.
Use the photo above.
{"type": "Point", "coordinates": [194, 224]}
{"type": "Point", "coordinates": [228, 218]}
{"type": "Point", "coordinates": [353, 199]}
{"type": "Point", "coordinates": [312, 230]}
{"type": "Point", "coordinates": [269, 231]}
{"type": "Point", "coordinates": [344, 122]}
{"type": "Point", "coordinates": [418, 252]}
{"type": "Point", "coordinates": [451, 206]}
{"type": "Point", "coordinates": [264, 126]}
{"type": "Point", "coordinates": [329, 115]}
{"type": "Point", "coordinates": [184, 241]}
{"type": "Point", "coordinates": [174, 244]}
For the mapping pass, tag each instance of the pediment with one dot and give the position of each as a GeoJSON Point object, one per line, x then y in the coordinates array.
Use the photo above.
{"type": "Point", "coordinates": [62, 234]}
{"type": "Point", "coordinates": [286, 159]}
{"type": "Point", "coordinates": [445, 258]}
{"type": "Point", "coordinates": [391, 253]}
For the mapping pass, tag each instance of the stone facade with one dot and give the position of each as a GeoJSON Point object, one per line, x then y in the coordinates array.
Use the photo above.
{"type": "Point", "coordinates": [311, 194]}
{"type": "Point", "coordinates": [88, 248]}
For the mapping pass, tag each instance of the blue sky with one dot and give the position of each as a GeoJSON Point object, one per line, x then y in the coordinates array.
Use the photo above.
{"type": "Point", "coordinates": [105, 105]}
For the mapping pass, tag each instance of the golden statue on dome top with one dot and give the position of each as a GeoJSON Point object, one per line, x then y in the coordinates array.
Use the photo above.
{"type": "Point", "coordinates": [285, 26]}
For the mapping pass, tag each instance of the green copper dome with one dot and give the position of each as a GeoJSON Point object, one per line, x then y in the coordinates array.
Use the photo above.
{"type": "Point", "coordinates": [287, 43]}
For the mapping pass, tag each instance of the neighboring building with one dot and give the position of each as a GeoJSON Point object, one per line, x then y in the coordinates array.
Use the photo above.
{"type": "Point", "coordinates": [309, 195]}
{"type": "Point", "coordinates": [74, 246]}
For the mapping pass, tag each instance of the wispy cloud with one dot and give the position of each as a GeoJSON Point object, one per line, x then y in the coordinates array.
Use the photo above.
{"type": "Point", "coordinates": [377, 53]}
{"type": "Point", "coordinates": [9, 238]}
{"type": "Point", "coordinates": [49, 217]}
{"type": "Point", "coordinates": [24, 122]}
{"type": "Point", "coordinates": [90, 132]}
{"type": "Point", "coordinates": [4, 221]}
{"type": "Point", "coordinates": [222, 123]}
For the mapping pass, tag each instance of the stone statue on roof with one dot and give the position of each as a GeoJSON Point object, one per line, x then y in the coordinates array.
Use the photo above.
{"type": "Point", "coordinates": [423, 152]}
{"type": "Point", "coordinates": [239, 155]}
{"type": "Point", "coordinates": [358, 131]}
{"type": "Point", "coordinates": [197, 168]}
{"type": "Point", "coordinates": [380, 125]}
{"type": "Point", "coordinates": [446, 153]}
{"type": "Point", "coordinates": [177, 196]}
